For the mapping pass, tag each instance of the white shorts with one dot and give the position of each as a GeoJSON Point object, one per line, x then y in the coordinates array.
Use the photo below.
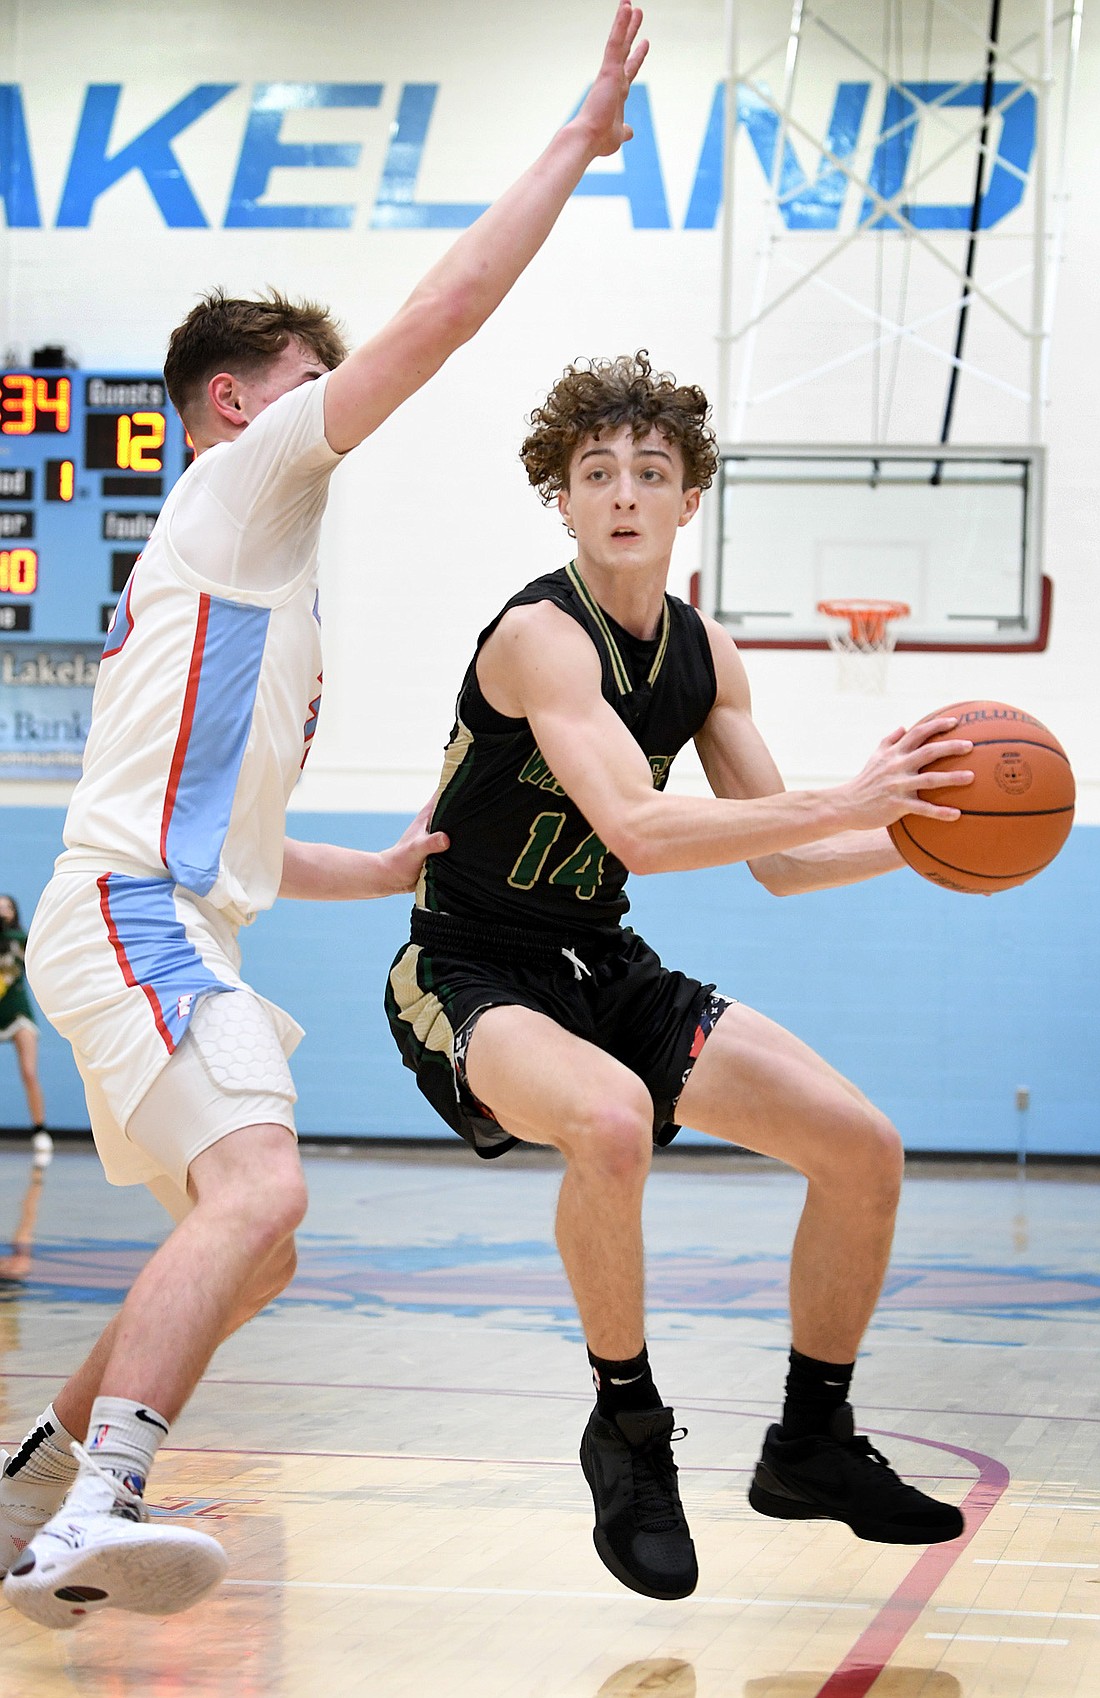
{"type": "Point", "coordinates": [123, 966]}
{"type": "Point", "coordinates": [19, 1024]}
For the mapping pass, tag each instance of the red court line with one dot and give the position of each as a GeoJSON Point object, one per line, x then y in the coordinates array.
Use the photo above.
{"type": "Point", "coordinates": [877, 1643]}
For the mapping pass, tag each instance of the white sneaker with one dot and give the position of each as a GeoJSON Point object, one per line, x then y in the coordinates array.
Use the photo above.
{"type": "Point", "coordinates": [25, 1506]}
{"type": "Point", "coordinates": [98, 1552]}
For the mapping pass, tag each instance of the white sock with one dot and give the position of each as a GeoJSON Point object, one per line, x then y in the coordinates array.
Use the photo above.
{"type": "Point", "coordinates": [45, 1457]}
{"type": "Point", "coordinates": [123, 1437]}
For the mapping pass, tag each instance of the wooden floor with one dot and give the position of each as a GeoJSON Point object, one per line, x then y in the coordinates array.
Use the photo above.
{"type": "Point", "coordinates": [389, 1455]}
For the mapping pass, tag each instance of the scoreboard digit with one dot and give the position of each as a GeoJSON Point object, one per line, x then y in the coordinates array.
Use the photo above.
{"type": "Point", "coordinates": [86, 460]}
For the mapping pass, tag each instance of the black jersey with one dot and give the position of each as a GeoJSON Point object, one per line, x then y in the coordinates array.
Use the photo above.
{"type": "Point", "coordinates": [522, 853]}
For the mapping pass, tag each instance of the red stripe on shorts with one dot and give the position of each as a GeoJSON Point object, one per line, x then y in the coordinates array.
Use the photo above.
{"type": "Point", "coordinates": [104, 884]}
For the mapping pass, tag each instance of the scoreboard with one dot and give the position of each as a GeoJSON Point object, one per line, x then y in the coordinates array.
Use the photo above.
{"type": "Point", "coordinates": [86, 459]}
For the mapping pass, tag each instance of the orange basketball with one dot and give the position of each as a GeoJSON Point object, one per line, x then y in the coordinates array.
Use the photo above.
{"type": "Point", "coordinates": [1015, 816]}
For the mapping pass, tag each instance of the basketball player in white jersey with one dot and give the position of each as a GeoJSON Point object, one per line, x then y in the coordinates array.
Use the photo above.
{"type": "Point", "coordinates": [203, 713]}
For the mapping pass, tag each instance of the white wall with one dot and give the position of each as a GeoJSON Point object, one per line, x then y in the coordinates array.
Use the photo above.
{"type": "Point", "coordinates": [431, 524]}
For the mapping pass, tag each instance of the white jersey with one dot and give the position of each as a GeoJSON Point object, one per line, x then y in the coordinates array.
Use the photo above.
{"type": "Point", "coordinates": [210, 683]}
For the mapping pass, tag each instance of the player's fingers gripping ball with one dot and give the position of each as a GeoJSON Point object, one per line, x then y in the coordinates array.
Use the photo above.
{"type": "Point", "coordinates": [41, 1151]}
{"type": "Point", "coordinates": [1013, 819]}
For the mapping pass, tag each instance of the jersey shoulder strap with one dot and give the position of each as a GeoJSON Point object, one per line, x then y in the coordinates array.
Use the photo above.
{"type": "Point", "coordinates": [557, 587]}
{"type": "Point", "coordinates": [552, 586]}
{"type": "Point", "coordinates": [680, 624]}
{"type": "Point", "coordinates": [568, 590]}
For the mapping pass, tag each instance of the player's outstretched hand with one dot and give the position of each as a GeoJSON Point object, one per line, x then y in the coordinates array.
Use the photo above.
{"type": "Point", "coordinates": [602, 112]}
{"type": "Point", "coordinates": [404, 862]}
{"type": "Point", "coordinates": [890, 784]}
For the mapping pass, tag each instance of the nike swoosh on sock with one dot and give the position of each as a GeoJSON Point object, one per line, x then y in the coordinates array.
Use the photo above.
{"type": "Point", "coordinates": [150, 1420]}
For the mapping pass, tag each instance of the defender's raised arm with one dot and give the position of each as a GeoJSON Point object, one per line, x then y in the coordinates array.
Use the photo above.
{"type": "Point", "coordinates": [467, 285]}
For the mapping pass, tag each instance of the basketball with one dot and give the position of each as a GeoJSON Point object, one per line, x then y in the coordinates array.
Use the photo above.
{"type": "Point", "coordinates": [1014, 817]}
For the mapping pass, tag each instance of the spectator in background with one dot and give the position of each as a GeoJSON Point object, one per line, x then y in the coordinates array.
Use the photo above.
{"type": "Point", "coordinates": [17, 1026]}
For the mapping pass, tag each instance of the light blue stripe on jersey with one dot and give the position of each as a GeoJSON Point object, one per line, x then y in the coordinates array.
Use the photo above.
{"type": "Point", "coordinates": [229, 676]}
{"type": "Point", "coordinates": [152, 943]}
{"type": "Point", "coordinates": [122, 621]}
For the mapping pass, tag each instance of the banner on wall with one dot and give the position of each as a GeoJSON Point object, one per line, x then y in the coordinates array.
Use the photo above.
{"type": "Point", "coordinates": [814, 194]}
{"type": "Point", "coordinates": [45, 707]}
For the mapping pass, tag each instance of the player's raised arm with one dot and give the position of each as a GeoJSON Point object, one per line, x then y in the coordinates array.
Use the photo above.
{"type": "Point", "coordinates": [538, 665]}
{"type": "Point", "coordinates": [459, 293]}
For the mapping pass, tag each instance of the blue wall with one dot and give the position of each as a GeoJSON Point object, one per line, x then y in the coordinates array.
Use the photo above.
{"type": "Point", "coordinates": [937, 1005]}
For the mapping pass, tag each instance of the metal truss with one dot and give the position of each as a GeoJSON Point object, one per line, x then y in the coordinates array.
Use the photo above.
{"type": "Point", "coordinates": [964, 305]}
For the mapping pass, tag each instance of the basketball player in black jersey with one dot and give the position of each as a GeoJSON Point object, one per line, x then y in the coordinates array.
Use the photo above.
{"type": "Point", "coordinates": [530, 1013]}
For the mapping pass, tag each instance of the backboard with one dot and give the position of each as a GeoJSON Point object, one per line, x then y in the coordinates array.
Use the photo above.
{"type": "Point", "coordinates": [953, 532]}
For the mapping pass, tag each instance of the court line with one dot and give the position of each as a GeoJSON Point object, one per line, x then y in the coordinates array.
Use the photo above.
{"type": "Point", "coordinates": [475, 1461]}
{"type": "Point", "coordinates": [622, 1597]}
{"type": "Point", "coordinates": [496, 1462]}
{"type": "Point", "coordinates": [700, 1406]}
{"type": "Point", "coordinates": [854, 1677]}
{"type": "Point", "coordinates": [1019, 1615]}
{"type": "Point", "coordinates": [564, 1463]}
{"type": "Point", "coordinates": [991, 1639]}
{"type": "Point", "coordinates": [1041, 1503]}
{"type": "Point", "coordinates": [1022, 1562]}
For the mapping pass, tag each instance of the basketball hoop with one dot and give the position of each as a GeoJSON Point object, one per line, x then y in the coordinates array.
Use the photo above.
{"type": "Point", "coordinates": [863, 639]}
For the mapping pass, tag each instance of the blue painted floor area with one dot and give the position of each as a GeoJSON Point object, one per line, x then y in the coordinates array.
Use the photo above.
{"type": "Point", "coordinates": [986, 1264]}
{"type": "Point", "coordinates": [472, 1276]}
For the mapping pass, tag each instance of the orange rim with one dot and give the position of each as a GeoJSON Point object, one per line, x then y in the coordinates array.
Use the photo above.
{"type": "Point", "coordinates": [868, 619]}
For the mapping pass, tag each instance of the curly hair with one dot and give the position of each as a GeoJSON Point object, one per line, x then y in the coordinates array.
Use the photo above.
{"type": "Point", "coordinates": [592, 396]}
{"type": "Point", "coordinates": [221, 333]}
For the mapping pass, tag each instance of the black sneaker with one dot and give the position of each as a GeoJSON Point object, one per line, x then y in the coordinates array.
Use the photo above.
{"type": "Point", "coordinates": [641, 1534]}
{"type": "Point", "coordinates": [844, 1478]}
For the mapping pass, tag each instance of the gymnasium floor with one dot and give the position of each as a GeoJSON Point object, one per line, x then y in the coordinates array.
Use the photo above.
{"type": "Point", "coordinates": [389, 1455]}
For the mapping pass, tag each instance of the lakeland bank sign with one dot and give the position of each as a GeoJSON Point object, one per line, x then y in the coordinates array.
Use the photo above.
{"type": "Point", "coordinates": [814, 194]}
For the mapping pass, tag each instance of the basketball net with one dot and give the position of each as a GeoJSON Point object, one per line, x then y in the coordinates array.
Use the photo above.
{"type": "Point", "coordinates": [863, 640]}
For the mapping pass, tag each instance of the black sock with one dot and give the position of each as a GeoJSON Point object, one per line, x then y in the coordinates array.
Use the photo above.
{"type": "Point", "coordinates": [815, 1390]}
{"type": "Point", "coordinates": [623, 1385]}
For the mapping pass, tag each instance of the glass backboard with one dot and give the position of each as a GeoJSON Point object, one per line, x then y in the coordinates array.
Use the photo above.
{"type": "Point", "coordinates": [952, 532]}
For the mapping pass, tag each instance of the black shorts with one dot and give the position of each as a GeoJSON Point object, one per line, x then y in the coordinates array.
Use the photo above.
{"type": "Point", "coordinates": [611, 991]}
